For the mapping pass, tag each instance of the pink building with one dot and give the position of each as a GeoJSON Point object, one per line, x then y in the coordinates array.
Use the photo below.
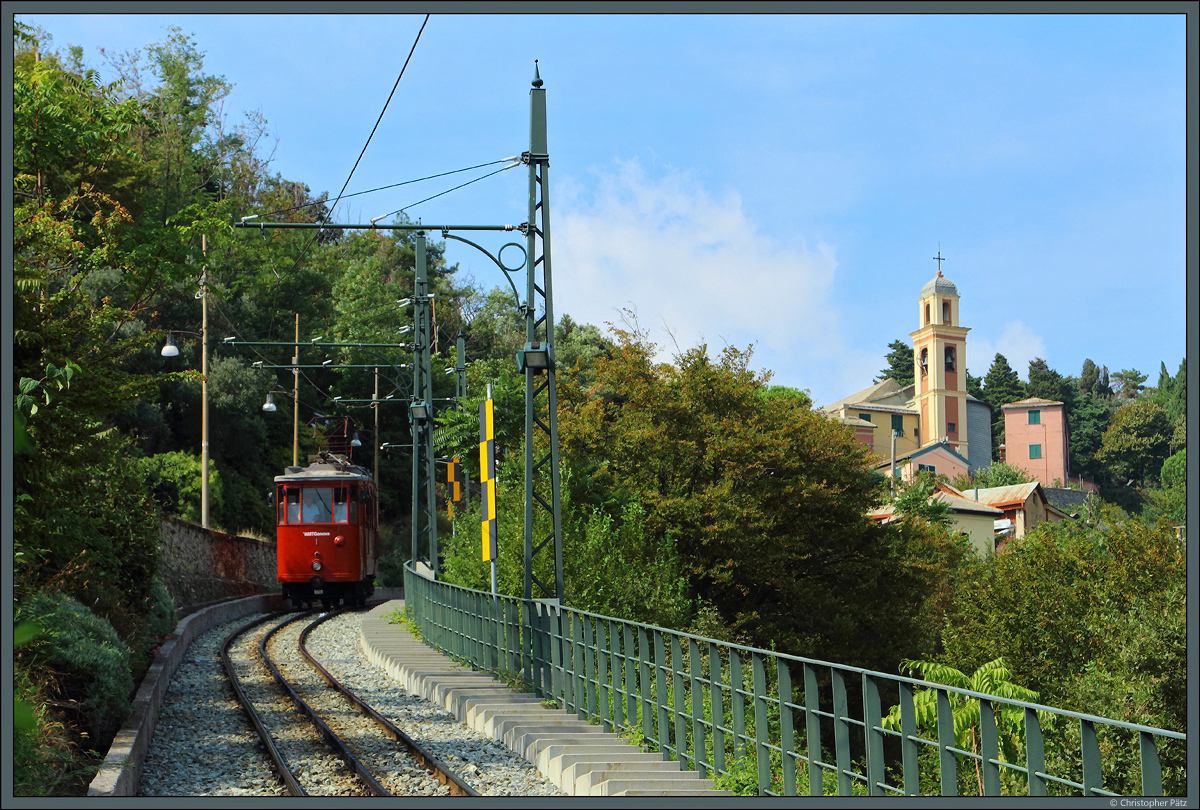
{"type": "Point", "coordinates": [1035, 440]}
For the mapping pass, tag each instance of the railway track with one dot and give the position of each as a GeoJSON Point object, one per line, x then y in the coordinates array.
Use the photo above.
{"type": "Point", "coordinates": [321, 738]}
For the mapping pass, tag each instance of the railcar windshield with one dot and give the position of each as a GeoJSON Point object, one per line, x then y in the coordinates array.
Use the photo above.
{"type": "Point", "coordinates": [337, 504]}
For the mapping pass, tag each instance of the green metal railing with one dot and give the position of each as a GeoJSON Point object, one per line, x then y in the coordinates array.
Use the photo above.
{"type": "Point", "coordinates": [782, 724]}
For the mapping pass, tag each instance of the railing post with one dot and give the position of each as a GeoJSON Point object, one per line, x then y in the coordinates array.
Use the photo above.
{"type": "Point", "coordinates": [872, 718]}
{"type": "Point", "coordinates": [631, 688]}
{"type": "Point", "coordinates": [787, 733]}
{"type": "Point", "coordinates": [603, 653]}
{"type": "Point", "coordinates": [695, 673]}
{"type": "Point", "coordinates": [679, 700]}
{"type": "Point", "coordinates": [908, 745]}
{"type": "Point", "coordinates": [841, 732]}
{"type": "Point", "coordinates": [1089, 750]}
{"type": "Point", "coordinates": [645, 690]}
{"type": "Point", "coordinates": [1151, 769]}
{"type": "Point", "coordinates": [1035, 756]}
{"type": "Point", "coordinates": [762, 755]}
{"type": "Point", "coordinates": [590, 708]}
{"type": "Point", "coordinates": [660, 694]}
{"type": "Point", "coordinates": [945, 735]}
{"type": "Point", "coordinates": [812, 731]}
{"type": "Point", "coordinates": [737, 705]}
{"type": "Point", "coordinates": [718, 707]}
{"type": "Point", "coordinates": [989, 748]}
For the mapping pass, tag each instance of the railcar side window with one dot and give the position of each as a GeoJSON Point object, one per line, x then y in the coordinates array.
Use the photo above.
{"type": "Point", "coordinates": [292, 505]}
{"type": "Point", "coordinates": [339, 505]}
{"type": "Point", "coordinates": [318, 504]}
{"type": "Point", "coordinates": [353, 500]}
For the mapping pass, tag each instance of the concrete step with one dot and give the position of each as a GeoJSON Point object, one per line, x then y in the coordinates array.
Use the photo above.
{"type": "Point", "coordinates": [581, 758]}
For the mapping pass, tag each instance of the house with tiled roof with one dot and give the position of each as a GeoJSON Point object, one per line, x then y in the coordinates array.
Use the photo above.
{"type": "Point", "coordinates": [1024, 506]}
{"type": "Point", "coordinates": [989, 517]}
{"type": "Point", "coordinates": [935, 459]}
{"type": "Point", "coordinates": [974, 520]}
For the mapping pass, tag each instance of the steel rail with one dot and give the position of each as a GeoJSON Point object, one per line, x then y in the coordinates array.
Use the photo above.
{"type": "Point", "coordinates": [334, 741]}
{"type": "Point", "coordinates": [281, 766]}
{"type": "Point", "coordinates": [438, 769]}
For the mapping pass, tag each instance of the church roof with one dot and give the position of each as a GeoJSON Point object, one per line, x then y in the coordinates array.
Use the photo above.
{"type": "Point", "coordinates": [879, 390]}
{"type": "Point", "coordinates": [939, 285]}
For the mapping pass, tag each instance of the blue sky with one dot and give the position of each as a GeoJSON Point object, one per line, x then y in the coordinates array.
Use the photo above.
{"type": "Point", "coordinates": [777, 180]}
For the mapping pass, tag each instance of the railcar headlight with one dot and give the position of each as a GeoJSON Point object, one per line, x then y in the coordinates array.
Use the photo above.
{"type": "Point", "coordinates": [316, 566]}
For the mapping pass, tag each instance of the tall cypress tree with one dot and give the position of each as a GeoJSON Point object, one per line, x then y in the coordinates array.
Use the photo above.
{"type": "Point", "coordinates": [900, 363]}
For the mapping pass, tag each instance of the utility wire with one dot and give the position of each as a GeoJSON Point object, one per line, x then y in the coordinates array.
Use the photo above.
{"type": "Point", "coordinates": [447, 191]}
{"type": "Point", "coordinates": [385, 188]}
{"type": "Point", "coordinates": [317, 232]}
{"type": "Point", "coordinates": [381, 112]}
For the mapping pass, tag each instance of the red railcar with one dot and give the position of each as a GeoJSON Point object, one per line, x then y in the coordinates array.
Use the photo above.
{"type": "Point", "coordinates": [325, 533]}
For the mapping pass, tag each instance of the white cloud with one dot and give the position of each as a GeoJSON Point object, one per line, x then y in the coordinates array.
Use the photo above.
{"type": "Point", "coordinates": [691, 265]}
{"type": "Point", "coordinates": [1017, 342]}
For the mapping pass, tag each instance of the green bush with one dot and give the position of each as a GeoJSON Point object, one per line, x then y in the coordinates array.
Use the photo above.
{"type": "Point", "coordinates": [160, 620]}
{"type": "Point", "coordinates": [174, 480]}
{"type": "Point", "coordinates": [83, 661]}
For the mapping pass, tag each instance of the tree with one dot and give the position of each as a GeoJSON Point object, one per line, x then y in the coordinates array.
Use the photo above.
{"type": "Point", "coordinates": [1087, 420]}
{"type": "Point", "coordinates": [1136, 442]}
{"type": "Point", "coordinates": [764, 500]}
{"type": "Point", "coordinates": [1171, 392]}
{"type": "Point", "coordinates": [996, 474]}
{"type": "Point", "coordinates": [1129, 384]}
{"type": "Point", "coordinates": [1088, 377]}
{"type": "Point", "coordinates": [900, 363]}
{"type": "Point", "coordinates": [1046, 383]}
{"type": "Point", "coordinates": [916, 500]}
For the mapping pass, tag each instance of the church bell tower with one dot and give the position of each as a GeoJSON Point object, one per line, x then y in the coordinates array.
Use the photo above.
{"type": "Point", "coordinates": [940, 365]}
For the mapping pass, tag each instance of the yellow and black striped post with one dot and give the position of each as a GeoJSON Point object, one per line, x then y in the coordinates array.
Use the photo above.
{"type": "Point", "coordinates": [487, 471]}
{"type": "Point", "coordinates": [454, 487]}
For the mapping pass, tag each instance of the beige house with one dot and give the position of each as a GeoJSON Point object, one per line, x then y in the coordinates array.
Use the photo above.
{"type": "Point", "coordinates": [990, 517]}
{"type": "Point", "coordinates": [1024, 506]}
{"type": "Point", "coordinates": [975, 521]}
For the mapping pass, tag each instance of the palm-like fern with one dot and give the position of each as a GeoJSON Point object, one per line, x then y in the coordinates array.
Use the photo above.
{"type": "Point", "coordinates": [992, 678]}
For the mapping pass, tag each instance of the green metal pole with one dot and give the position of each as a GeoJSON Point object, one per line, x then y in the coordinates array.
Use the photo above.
{"type": "Point", "coordinates": [460, 367]}
{"type": "Point", "coordinates": [540, 330]}
{"type": "Point", "coordinates": [425, 309]}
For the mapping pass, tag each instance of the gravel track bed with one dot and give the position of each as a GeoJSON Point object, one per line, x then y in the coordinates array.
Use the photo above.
{"type": "Point", "coordinates": [489, 767]}
{"type": "Point", "coordinates": [383, 757]}
{"type": "Point", "coordinates": [204, 746]}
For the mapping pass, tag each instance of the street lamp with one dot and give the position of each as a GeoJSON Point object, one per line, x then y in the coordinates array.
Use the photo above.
{"type": "Point", "coordinates": [418, 412]}
{"type": "Point", "coordinates": [535, 357]}
{"type": "Point", "coordinates": [171, 350]}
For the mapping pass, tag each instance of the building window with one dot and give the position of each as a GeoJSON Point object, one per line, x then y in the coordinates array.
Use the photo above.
{"type": "Point", "coordinates": [950, 426]}
{"type": "Point", "coordinates": [924, 362]}
{"type": "Point", "coordinates": [898, 424]}
{"type": "Point", "coordinates": [927, 314]}
{"type": "Point", "coordinates": [929, 468]}
{"type": "Point", "coordinates": [1035, 451]}
{"type": "Point", "coordinates": [866, 417]}
{"type": "Point", "coordinates": [1035, 417]}
{"type": "Point", "coordinates": [949, 358]}
{"type": "Point", "coordinates": [946, 312]}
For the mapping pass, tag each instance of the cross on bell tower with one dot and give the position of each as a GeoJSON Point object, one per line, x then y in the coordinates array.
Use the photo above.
{"type": "Point", "coordinates": [940, 363]}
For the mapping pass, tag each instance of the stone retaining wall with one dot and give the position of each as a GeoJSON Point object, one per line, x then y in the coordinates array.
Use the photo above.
{"type": "Point", "coordinates": [200, 566]}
